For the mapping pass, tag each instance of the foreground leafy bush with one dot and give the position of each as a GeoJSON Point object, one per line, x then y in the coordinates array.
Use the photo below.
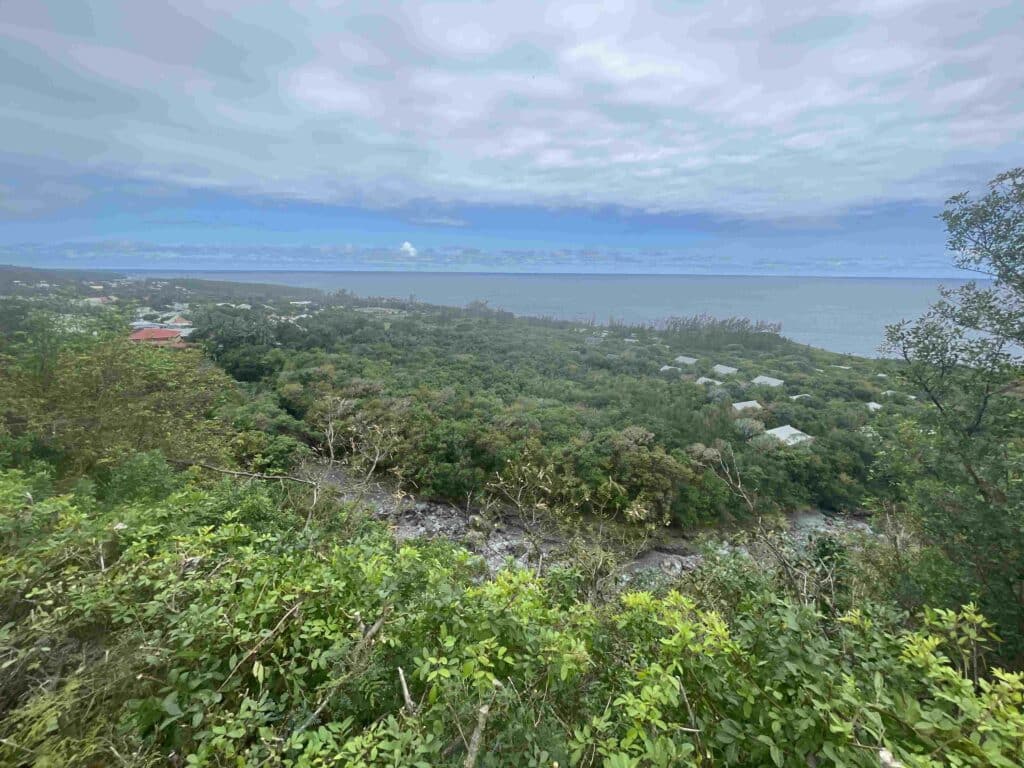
{"type": "Point", "coordinates": [210, 627]}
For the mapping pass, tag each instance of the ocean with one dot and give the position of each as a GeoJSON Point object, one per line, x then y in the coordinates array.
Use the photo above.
{"type": "Point", "coordinates": [845, 315]}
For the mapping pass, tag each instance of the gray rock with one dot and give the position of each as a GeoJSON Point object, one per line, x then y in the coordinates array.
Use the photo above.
{"type": "Point", "coordinates": [668, 564]}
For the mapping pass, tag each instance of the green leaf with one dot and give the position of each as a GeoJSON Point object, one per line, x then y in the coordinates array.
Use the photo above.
{"type": "Point", "coordinates": [170, 704]}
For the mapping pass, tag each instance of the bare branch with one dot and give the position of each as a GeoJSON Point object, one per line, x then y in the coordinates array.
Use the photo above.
{"type": "Point", "coordinates": [476, 739]}
{"type": "Point", "coordinates": [240, 473]}
{"type": "Point", "coordinates": [410, 707]}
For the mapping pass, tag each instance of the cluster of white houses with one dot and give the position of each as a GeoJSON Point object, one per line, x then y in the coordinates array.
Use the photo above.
{"type": "Point", "coordinates": [787, 433]}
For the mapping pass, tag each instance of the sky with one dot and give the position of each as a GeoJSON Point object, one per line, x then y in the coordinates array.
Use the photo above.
{"type": "Point", "coordinates": [716, 137]}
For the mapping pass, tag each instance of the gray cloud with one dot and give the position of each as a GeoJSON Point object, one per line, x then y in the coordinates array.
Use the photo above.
{"type": "Point", "coordinates": [764, 109]}
{"type": "Point", "coordinates": [39, 197]}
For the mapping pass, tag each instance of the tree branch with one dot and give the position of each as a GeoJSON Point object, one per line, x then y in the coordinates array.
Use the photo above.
{"type": "Point", "coordinates": [255, 648]}
{"type": "Point", "coordinates": [240, 473]}
{"type": "Point", "coordinates": [364, 641]}
{"type": "Point", "coordinates": [477, 737]}
{"type": "Point", "coordinates": [410, 707]}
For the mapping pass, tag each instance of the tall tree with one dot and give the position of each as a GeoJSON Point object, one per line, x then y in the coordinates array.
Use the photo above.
{"type": "Point", "coordinates": [965, 355]}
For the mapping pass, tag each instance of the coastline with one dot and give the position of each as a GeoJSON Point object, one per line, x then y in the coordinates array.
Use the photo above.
{"type": "Point", "coordinates": [847, 315]}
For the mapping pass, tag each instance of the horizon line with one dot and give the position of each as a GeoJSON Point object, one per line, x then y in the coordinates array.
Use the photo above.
{"type": "Point", "coordinates": [486, 273]}
{"type": "Point", "coordinates": [522, 274]}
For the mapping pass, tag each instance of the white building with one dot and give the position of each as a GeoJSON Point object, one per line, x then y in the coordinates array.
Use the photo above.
{"type": "Point", "coordinates": [706, 380]}
{"type": "Point", "coordinates": [746, 405]}
{"type": "Point", "coordinates": [873, 406]}
{"type": "Point", "coordinates": [667, 368]}
{"type": "Point", "coordinates": [684, 360]}
{"type": "Point", "coordinates": [802, 396]}
{"type": "Point", "coordinates": [767, 381]}
{"type": "Point", "coordinates": [789, 435]}
{"type": "Point", "coordinates": [724, 370]}
{"type": "Point", "coordinates": [894, 393]}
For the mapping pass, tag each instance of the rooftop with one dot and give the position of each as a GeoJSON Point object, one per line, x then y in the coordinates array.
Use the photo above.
{"type": "Point", "coordinates": [789, 434]}
{"type": "Point", "coordinates": [155, 334]}
{"type": "Point", "coordinates": [746, 405]}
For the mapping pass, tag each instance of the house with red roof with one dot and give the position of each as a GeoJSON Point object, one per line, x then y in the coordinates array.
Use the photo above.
{"type": "Point", "coordinates": [159, 337]}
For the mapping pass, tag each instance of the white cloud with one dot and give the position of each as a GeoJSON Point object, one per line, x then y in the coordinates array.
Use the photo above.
{"type": "Point", "coordinates": [773, 110]}
{"type": "Point", "coordinates": [408, 249]}
{"type": "Point", "coordinates": [439, 221]}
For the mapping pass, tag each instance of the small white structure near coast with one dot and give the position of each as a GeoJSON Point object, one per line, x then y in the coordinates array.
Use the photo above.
{"type": "Point", "coordinates": [873, 406]}
{"type": "Point", "coordinates": [894, 393]}
{"type": "Point", "coordinates": [685, 360]}
{"type": "Point", "coordinates": [747, 405]}
{"type": "Point", "coordinates": [802, 396]}
{"type": "Point", "coordinates": [706, 380]}
{"type": "Point", "coordinates": [724, 370]}
{"type": "Point", "coordinates": [667, 368]}
{"type": "Point", "coordinates": [767, 381]}
{"type": "Point", "coordinates": [789, 435]}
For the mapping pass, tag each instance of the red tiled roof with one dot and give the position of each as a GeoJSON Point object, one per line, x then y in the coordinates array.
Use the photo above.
{"type": "Point", "coordinates": [155, 334]}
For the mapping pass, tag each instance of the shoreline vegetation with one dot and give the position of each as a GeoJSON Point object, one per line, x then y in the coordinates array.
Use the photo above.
{"type": "Point", "coordinates": [842, 315]}
{"type": "Point", "coordinates": [299, 528]}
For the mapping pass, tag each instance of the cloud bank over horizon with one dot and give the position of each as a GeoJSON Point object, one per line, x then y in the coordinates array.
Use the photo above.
{"type": "Point", "coordinates": [773, 114]}
{"type": "Point", "coordinates": [802, 256]}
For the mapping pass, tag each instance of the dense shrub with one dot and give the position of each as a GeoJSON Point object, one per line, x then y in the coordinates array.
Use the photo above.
{"type": "Point", "coordinates": [208, 627]}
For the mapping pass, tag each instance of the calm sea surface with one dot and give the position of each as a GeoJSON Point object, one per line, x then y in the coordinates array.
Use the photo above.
{"type": "Point", "coordinates": [839, 314]}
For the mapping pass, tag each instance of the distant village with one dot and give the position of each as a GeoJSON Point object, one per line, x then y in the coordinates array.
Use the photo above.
{"type": "Point", "coordinates": [743, 411]}
{"type": "Point", "coordinates": [161, 311]}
